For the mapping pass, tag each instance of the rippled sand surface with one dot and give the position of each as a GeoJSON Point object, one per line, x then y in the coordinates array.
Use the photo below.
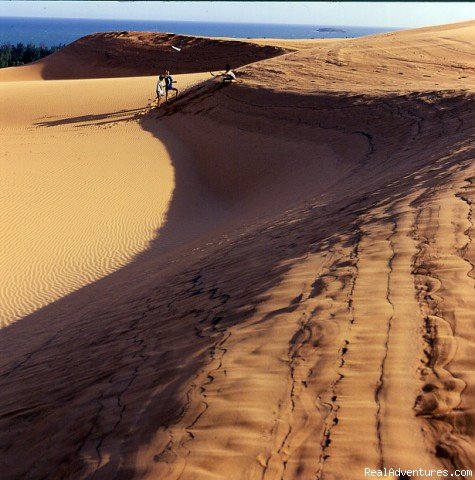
{"type": "Point", "coordinates": [84, 187]}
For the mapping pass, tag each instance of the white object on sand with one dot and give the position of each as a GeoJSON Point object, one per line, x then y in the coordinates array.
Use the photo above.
{"type": "Point", "coordinates": [176, 48]}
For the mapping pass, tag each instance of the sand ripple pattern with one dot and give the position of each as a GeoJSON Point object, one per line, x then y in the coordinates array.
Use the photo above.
{"type": "Point", "coordinates": [74, 208]}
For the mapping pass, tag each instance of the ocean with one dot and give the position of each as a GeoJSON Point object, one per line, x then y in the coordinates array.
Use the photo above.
{"type": "Point", "coordinates": [55, 31]}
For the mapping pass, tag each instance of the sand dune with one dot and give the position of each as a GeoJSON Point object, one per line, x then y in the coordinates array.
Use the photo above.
{"type": "Point", "coordinates": [411, 61]}
{"type": "Point", "coordinates": [78, 199]}
{"type": "Point", "coordinates": [123, 54]}
{"type": "Point", "coordinates": [305, 309]}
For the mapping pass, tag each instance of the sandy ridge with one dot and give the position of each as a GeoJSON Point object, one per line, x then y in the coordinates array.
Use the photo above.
{"type": "Point", "coordinates": [132, 54]}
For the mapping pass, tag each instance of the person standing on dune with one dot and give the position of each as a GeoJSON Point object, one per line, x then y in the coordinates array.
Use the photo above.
{"type": "Point", "coordinates": [169, 85]}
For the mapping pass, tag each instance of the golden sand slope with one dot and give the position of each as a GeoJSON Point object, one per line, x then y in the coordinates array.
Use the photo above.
{"type": "Point", "coordinates": [327, 327]}
{"type": "Point", "coordinates": [77, 200]}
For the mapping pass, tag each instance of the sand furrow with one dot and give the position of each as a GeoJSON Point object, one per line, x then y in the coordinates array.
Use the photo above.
{"type": "Point", "coordinates": [326, 393]}
{"type": "Point", "coordinates": [357, 402]}
{"type": "Point", "coordinates": [467, 194]}
{"type": "Point", "coordinates": [317, 352]}
{"type": "Point", "coordinates": [238, 381]}
{"type": "Point", "coordinates": [399, 374]}
{"type": "Point", "coordinates": [139, 358]}
{"type": "Point", "coordinates": [382, 380]}
{"type": "Point", "coordinates": [172, 445]}
{"type": "Point", "coordinates": [440, 269]}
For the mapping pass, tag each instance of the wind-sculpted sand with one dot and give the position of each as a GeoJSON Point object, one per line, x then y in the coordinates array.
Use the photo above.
{"type": "Point", "coordinates": [78, 198]}
{"type": "Point", "coordinates": [305, 310]}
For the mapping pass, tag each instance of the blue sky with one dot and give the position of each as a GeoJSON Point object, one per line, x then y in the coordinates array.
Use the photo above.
{"type": "Point", "coordinates": [384, 14]}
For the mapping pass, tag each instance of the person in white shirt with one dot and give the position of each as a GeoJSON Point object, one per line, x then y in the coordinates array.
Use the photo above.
{"type": "Point", "coordinates": [228, 76]}
{"type": "Point", "coordinates": [160, 89]}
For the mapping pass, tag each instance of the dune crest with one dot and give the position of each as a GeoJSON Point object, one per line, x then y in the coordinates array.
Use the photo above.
{"type": "Point", "coordinates": [133, 54]}
{"type": "Point", "coordinates": [319, 321]}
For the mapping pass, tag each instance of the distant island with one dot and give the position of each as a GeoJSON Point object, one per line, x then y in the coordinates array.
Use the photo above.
{"type": "Point", "coordinates": [330, 29]}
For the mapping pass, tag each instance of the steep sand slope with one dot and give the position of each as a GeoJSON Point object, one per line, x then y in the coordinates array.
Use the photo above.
{"type": "Point", "coordinates": [329, 330]}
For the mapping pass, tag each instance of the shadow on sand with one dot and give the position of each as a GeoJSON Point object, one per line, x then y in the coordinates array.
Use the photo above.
{"type": "Point", "coordinates": [86, 120]}
{"type": "Point", "coordinates": [90, 380]}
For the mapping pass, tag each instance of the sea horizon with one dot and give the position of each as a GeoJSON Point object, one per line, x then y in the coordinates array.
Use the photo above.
{"type": "Point", "coordinates": [59, 30]}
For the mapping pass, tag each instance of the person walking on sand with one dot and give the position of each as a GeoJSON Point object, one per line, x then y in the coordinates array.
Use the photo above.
{"type": "Point", "coordinates": [228, 75]}
{"type": "Point", "coordinates": [169, 85]}
{"type": "Point", "coordinates": [160, 90]}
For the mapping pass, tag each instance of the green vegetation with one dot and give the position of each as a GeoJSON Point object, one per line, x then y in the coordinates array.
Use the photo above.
{"type": "Point", "coordinates": [20, 54]}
